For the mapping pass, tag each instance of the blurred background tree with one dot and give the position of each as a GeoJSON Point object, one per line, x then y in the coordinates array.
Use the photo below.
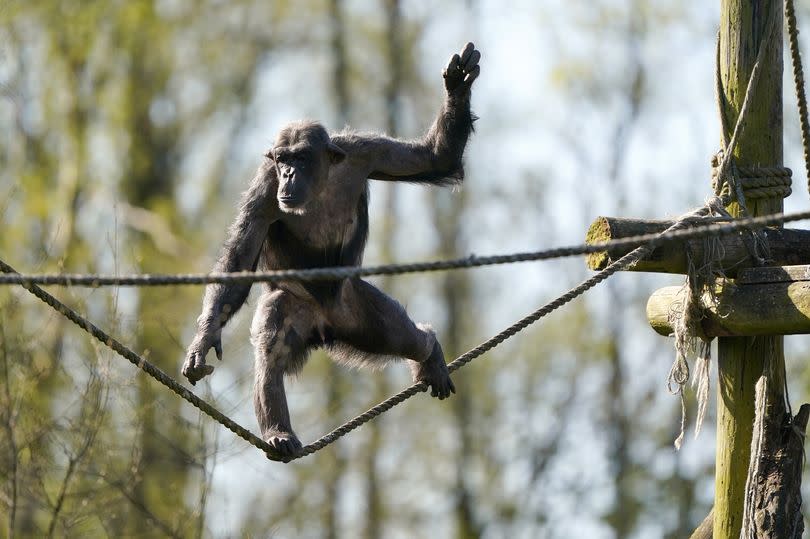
{"type": "Point", "coordinates": [129, 129]}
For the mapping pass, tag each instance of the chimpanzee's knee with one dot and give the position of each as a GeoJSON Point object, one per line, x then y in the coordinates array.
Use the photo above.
{"type": "Point", "coordinates": [278, 334]}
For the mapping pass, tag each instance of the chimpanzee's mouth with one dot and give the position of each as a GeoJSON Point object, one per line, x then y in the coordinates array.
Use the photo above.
{"type": "Point", "coordinates": [291, 204]}
{"type": "Point", "coordinates": [289, 201]}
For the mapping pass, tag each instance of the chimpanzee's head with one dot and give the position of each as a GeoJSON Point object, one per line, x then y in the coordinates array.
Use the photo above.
{"type": "Point", "coordinates": [302, 155]}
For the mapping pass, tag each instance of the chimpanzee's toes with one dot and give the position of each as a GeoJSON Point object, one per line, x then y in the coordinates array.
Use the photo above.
{"type": "Point", "coordinates": [444, 389]}
{"type": "Point", "coordinates": [195, 371]}
{"type": "Point", "coordinates": [286, 444]}
{"type": "Point", "coordinates": [433, 371]}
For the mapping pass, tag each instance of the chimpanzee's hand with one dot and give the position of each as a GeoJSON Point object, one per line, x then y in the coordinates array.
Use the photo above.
{"type": "Point", "coordinates": [462, 71]}
{"type": "Point", "coordinates": [195, 368]}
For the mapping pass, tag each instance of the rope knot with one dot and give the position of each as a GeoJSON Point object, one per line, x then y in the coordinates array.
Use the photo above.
{"type": "Point", "coordinates": [749, 182]}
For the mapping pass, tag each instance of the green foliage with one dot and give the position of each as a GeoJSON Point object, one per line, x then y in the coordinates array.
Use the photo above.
{"type": "Point", "coordinates": [127, 129]}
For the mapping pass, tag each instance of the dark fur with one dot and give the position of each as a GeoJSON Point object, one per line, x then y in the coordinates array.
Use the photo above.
{"type": "Point", "coordinates": [307, 207]}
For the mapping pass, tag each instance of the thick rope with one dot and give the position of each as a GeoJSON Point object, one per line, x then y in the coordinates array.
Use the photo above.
{"type": "Point", "coordinates": [753, 80]}
{"type": "Point", "coordinates": [716, 228]}
{"type": "Point", "coordinates": [149, 368]}
{"type": "Point", "coordinates": [798, 81]}
{"type": "Point", "coordinates": [758, 182]}
{"type": "Point", "coordinates": [623, 263]}
{"type": "Point", "coordinates": [155, 372]}
{"type": "Point", "coordinates": [674, 232]}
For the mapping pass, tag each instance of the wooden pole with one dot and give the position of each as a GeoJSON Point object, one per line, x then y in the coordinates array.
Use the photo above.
{"type": "Point", "coordinates": [787, 247]}
{"type": "Point", "coordinates": [776, 308]}
{"type": "Point", "coordinates": [743, 24]}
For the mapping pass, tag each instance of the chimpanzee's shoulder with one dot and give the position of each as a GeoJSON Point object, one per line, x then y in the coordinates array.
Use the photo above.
{"type": "Point", "coordinates": [352, 141]}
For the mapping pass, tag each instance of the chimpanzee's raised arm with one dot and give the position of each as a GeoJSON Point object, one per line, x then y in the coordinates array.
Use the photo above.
{"type": "Point", "coordinates": [240, 253]}
{"type": "Point", "coordinates": [436, 158]}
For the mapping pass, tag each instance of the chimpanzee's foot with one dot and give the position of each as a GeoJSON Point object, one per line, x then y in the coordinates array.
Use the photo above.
{"type": "Point", "coordinates": [433, 371]}
{"type": "Point", "coordinates": [286, 443]}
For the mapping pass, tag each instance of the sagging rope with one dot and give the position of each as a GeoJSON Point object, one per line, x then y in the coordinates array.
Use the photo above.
{"type": "Point", "coordinates": [715, 227]}
{"type": "Point", "coordinates": [140, 362]}
{"type": "Point", "coordinates": [623, 263]}
{"type": "Point", "coordinates": [676, 232]}
{"type": "Point", "coordinates": [155, 372]}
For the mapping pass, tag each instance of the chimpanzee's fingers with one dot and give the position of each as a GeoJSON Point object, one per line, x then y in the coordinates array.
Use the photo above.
{"type": "Point", "coordinates": [472, 61]}
{"type": "Point", "coordinates": [188, 366]}
{"type": "Point", "coordinates": [469, 48]}
{"type": "Point", "coordinates": [218, 349]}
{"type": "Point", "coordinates": [207, 369]}
{"type": "Point", "coordinates": [452, 65]}
{"type": "Point", "coordinates": [472, 75]}
{"type": "Point", "coordinates": [188, 370]}
{"type": "Point", "coordinates": [452, 385]}
{"type": "Point", "coordinates": [286, 447]}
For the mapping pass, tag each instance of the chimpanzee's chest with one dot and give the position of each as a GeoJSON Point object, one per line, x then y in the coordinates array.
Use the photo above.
{"type": "Point", "coordinates": [321, 228]}
{"type": "Point", "coordinates": [322, 237]}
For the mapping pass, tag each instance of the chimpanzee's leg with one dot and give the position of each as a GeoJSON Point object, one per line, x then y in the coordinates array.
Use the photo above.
{"type": "Point", "coordinates": [376, 325]}
{"type": "Point", "coordinates": [281, 330]}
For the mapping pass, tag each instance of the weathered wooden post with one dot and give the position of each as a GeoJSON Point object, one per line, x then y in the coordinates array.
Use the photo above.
{"type": "Point", "coordinates": [743, 27]}
{"type": "Point", "coordinates": [759, 307]}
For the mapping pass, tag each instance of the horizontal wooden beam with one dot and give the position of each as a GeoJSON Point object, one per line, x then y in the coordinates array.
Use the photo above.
{"type": "Point", "coordinates": [775, 301]}
{"type": "Point", "coordinates": [787, 247]}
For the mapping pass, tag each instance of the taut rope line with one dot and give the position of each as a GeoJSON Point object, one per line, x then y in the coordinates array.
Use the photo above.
{"type": "Point", "coordinates": [717, 228]}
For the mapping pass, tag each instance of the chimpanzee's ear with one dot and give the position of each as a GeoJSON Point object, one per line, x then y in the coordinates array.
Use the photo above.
{"type": "Point", "coordinates": [336, 153]}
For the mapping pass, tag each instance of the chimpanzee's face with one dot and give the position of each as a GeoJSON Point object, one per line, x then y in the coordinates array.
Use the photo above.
{"type": "Point", "coordinates": [298, 171]}
{"type": "Point", "coordinates": [302, 155]}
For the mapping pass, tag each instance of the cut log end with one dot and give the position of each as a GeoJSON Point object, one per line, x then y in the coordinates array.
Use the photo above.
{"type": "Point", "coordinates": [598, 232]}
{"type": "Point", "coordinates": [787, 247]}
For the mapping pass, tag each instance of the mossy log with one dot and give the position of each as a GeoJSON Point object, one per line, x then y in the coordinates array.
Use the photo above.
{"type": "Point", "coordinates": [763, 301]}
{"type": "Point", "coordinates": [787, 247]}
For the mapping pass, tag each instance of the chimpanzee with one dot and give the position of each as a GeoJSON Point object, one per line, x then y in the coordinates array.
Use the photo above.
{"type": "Point", "coordinates": [307, 207]}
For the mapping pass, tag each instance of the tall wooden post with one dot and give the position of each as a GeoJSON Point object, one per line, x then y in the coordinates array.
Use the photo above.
{"type": "Point", "coordinates": [743, 26]}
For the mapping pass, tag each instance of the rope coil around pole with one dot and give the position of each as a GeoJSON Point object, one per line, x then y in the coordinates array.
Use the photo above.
{"type": "Point", "coordinates": [757, 182]}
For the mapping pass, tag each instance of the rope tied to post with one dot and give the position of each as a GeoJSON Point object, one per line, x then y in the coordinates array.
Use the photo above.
{"type": "Point", "coordinates": [731, 183]}
{"type": "Point", "coordinates": [755, 182]}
